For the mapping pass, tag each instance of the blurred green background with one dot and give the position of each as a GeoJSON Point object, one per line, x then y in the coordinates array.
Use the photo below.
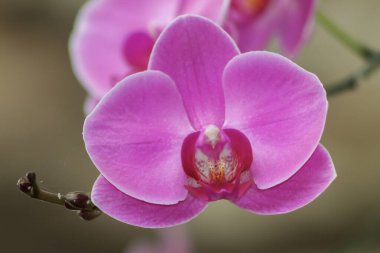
{"type": "Point", "coordinates": [41, 121]}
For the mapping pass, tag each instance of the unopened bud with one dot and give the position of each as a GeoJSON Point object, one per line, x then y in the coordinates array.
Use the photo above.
{"type": "Point", "coordinates": [31, 176]}
{"type": "Point", "coordinates": [89, 214]}
{"type": "Point", "coordinates": [27, 183]}
{"type": "Point", "coordinates": [24, 185]}
{"type": "Point", "coordinates": [76, 200]}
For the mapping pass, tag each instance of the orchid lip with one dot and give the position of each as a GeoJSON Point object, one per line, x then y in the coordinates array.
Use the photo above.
{"type": "Point", "coordinates": [217, 163]}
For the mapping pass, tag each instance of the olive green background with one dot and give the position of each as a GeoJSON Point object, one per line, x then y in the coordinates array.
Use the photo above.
{"type": "Point", "coordinates": [41, 122]}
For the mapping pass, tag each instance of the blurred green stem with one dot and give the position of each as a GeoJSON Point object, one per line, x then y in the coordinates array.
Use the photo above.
{"type": "Point", "coordinates": [357, 47]}
{"type": "Point", "coordinates": [353, 80]}
{"type": "Point", "coordinates": [371, 57]}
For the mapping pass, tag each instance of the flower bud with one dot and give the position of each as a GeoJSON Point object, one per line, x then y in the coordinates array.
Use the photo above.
{"type": "Point", "coordinates": [89, 214]}
{"type": "Point", "coordinates": [24, 185]}
{"type": "Point", "coordinates": [31, 176]}
{"type": "Point", "coordinates": [76, 200]}
{"type": "Point", "coordinates": [27, 184]}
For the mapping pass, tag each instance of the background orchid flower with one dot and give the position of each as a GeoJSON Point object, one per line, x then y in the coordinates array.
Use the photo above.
{"type": "Point", "coordinates": [171, 240]}
{"type": "Point", "coordinates": [203, 123]}
{"type": "Point", "coordinates": [114, 38]}
{"type": "Point", "coordinates": [254, 22]}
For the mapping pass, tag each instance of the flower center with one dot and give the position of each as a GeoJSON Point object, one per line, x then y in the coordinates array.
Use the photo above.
{"type": "Point", "coordinates": [217, 163]}
{"type": "Point", "coordinates": [244, 11]}
{"type": "Point", "coordinates": [250, 7]}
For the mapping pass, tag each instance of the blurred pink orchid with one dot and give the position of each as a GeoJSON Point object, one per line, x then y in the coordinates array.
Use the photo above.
{"type": "Point", "coordinates": [254, 22]}
{"type": "Point", "coordinates": [203, 123]}
{"type": "Point", "coordinates": [171, 240]}
{"type": "Point", "coordinates": [114, 38]}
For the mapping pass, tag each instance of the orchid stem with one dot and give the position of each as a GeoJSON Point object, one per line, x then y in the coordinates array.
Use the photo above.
{"type": "Point", "coordinates": [75, 201]}
{"type": "Point", "coordinates": [371, 57]}
{"type": "Point", "coordinates": [353, 80]}
{"type": "Point", "coordinates": [357, 47]}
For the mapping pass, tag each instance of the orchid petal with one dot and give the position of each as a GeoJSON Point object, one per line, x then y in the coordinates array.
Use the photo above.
{"type": "Point", "coordinates": [134, 137]}
{"type": "Point", "coordinates": [193, 51]}
{"type": "Point", "coordinates": [255, 34]}
{"type": "Point", "coordinates": [299, 190]}
{"type": "Point", "coordinates": [211, 9]}
{"type": "Point", "coordinates": [280, 107]}
{"type": "Point", "coordinates": [90, 104]}
{"type": "Point", "coordinates": [296, 26]}
{"type": "Point", "coordinates": [139, 213]}
{"type": "Point", "coordinates": [96, 45]}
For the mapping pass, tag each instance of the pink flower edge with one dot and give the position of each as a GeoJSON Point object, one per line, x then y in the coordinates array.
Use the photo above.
{"type": "Point", "coordinates": [302, 188]}
{"type": "Point", "coordinates": [280, 107]}
{"type": "Point", "coordinates": [134, 134]}
{"type": "Point", "coordinates": [139, 213]}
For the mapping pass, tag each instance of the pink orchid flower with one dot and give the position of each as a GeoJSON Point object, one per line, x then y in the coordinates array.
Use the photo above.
{"type": "Point", "coordinates": [114, 38]}
{"type": "Point", "coordinates": [254, 22]}
{"type": "Point", "coordinates": [204, 123]}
